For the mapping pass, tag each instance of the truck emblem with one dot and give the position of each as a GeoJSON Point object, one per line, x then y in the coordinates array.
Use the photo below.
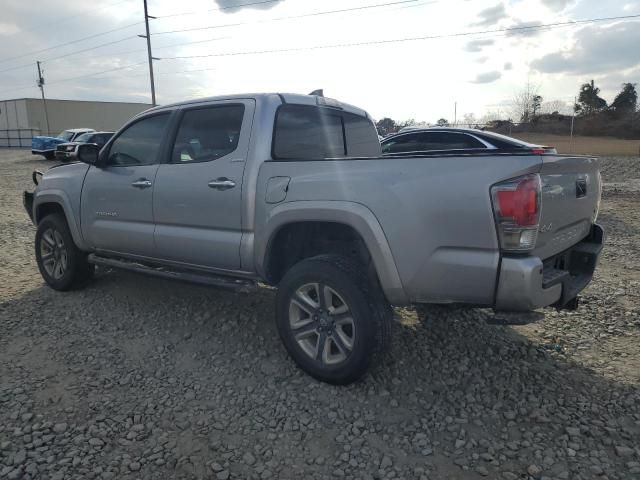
{"type": "Point", "coordinates": [106, 214]}
{"type": "Point", "coordinates": [546, 228]}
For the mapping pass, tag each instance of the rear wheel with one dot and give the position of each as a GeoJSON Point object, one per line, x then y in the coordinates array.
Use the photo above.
{"type": "Point", "coordinates": [333, 320]}
{"type": "Point", "coordinates": [62, 265]}
{"type": "Point", "coordinates": [49, 155]}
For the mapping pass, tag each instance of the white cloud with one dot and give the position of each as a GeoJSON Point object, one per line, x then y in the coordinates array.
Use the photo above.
{"type": "Point", "coordinates": [487, 77]}
{"type": "Point", "coordinates": [478, 45]}
{"type": "Point", "coordinates": [8, 28]}
{"type": "Point", "coordinates": [596, 49]}
{"type": "Point", "coordinates": [491, 16]}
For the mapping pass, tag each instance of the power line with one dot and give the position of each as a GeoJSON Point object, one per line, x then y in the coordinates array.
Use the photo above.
{"type": "Point", "coordinates": [62, 80]}
{"type": "Point", "coordinates": [410, 39]}
{"type": "Point", "coordinates": [126, 52]}
{"type": "Point", "coordinates": [97, 73]}
{"type": "Point", "coordinates": [231, 7]}
{"type": "Point", "coordinates": [67, 18]}
{"type": "Point", "coordinates": [71, 43]}
{"type": "Point", "coordinates": [290, 17]}
{"type": "Point", "coordinates": [90, 48]}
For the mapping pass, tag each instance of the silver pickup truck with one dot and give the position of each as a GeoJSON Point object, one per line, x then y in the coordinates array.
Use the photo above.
{"type": "Point", "coordinates": [292, 190]}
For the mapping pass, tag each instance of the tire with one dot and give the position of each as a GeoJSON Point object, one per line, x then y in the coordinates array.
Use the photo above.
{"type": "Point", "coordinates": [62, 265]}
{"type": "Point", "coordinates": [337, 336]}
{"type": "Point", "coordinates": [49, 155]}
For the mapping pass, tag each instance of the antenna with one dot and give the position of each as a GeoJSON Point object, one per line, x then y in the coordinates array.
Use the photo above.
{"type": "Point", "coordinates": [318, 92]}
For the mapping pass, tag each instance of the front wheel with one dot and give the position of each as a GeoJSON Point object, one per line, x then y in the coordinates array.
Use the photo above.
{"type": "Point", "coordinates": [62, 265]}
{"type": "Point", "coordinates": [332, 318]}
{"type": "Point", "coordinates": [49, 155]}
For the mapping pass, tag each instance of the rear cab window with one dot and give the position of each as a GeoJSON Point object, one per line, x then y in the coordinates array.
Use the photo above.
{"type": "Point", "coordinates": [306, 132]}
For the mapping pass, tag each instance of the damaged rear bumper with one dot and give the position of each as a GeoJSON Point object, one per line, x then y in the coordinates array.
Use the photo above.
{"type": "Point", "coordinates": [527, 283]}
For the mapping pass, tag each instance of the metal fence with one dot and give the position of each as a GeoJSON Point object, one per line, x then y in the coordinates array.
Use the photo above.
{"type": "Point", "coordinates": [17, 137]}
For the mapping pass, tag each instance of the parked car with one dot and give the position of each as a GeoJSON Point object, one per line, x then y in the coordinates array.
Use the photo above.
{"type": "Point", "coordinates": [456, 141]}
{"type": "Point", "coordinates": [292, 190]}
{"type": "Point", "coordinates": [67, 151]}
{"type": "Point", "coordinates": [46, 146]}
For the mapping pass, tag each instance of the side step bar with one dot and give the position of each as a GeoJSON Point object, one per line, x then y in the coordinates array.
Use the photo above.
{"type": "Point", "coordinates": [238, 284]}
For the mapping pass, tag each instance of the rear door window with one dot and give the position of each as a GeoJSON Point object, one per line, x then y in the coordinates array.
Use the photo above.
{"type": "Point", "coordinates": [305, 133]}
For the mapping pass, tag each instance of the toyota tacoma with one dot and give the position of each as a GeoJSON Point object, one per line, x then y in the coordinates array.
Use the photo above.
{"type": "Point", "coordinates": [293, 191]}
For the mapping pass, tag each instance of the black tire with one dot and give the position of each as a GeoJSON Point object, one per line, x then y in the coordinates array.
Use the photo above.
{"type": "Point", "coordinates": [370, 313]}
{"type": "Point", "coordinates": [77, 271]}
{"type": "Point", "coordinates": [49, 155]}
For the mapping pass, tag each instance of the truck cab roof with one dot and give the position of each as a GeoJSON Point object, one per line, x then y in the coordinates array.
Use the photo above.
{"type": "Point", "coordinates": [295, 98]}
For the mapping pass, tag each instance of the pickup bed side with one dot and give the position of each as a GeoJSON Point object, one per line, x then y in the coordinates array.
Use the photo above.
{"type": "Point", "coordinates": [435, 213]}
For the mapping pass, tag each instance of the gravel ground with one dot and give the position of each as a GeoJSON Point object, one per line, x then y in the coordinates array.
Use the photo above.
{"type": "Point", "coordinates": [145, 378]}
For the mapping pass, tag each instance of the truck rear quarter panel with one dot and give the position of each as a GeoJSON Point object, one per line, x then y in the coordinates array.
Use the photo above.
{"type": "Point", "coordinates": [435, 213]}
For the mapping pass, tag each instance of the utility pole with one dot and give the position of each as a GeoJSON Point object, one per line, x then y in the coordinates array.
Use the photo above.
{"type": "Point", "coordinates": [151, 59]}
{"type": "Point", "coordinates": [455, 114]}
{"type": "Point", "coordinates": [44, 100]}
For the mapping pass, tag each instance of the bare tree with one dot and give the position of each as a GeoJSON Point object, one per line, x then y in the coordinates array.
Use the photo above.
{"type": "Point", "coordinates": [556, 106]}
{"type": "Point", "coordinates": [469, 120]}
{"type": "Point", "coordinates": [491, 116]}
{"type": "Point", "coordinates": [526, 102]}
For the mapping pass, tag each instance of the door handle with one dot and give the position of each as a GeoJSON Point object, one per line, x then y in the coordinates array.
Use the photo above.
{"type": "Point", "coordinates": [222, 183]}
{"type": "Point", "coordinates": [142, 183]}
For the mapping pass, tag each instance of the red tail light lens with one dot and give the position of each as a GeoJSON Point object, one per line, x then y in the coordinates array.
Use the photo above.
{"type": "Point", "coordinates": [538, 150]}
{"type": "Point", "coordinates": [516, 205]}
{"type": "Point", "coordinates": [521, 204]}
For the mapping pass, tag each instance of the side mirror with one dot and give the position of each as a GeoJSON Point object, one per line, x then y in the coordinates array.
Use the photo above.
{"type": "Point", "coordinates": [88, 153]}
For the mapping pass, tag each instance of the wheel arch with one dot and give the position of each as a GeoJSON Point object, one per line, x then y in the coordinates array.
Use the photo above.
{"type": "Point", "coordinates": [56, 201]}
{"type": "Point", "coordinates": [342, 219]}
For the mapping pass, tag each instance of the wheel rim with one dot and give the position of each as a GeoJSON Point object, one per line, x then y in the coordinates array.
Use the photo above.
{"type": "Point", "coordinates": [53, 253]}
{"type": "Point", "coordinates": [322, 323]}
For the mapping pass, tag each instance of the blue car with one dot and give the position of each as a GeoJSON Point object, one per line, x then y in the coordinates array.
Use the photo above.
{"type": "Point", "coordinates": [46, 146]}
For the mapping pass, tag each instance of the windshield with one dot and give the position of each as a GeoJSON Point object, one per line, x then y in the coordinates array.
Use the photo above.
{"type": "Point", "coordinates": [66, 135]}
{"type": "Point", "coordinates": [84, 138]}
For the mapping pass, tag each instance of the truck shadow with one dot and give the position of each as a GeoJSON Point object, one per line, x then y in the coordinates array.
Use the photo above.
{"type": "Point", "coordinates": [448, 375]}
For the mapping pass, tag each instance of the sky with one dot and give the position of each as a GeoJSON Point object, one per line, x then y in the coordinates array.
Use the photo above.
{"type": "Point", "coordinates": [420, 59]}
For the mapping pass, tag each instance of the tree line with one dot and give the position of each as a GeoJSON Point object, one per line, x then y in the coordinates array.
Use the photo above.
{"type": "Point", "coordinates": [528, 111]}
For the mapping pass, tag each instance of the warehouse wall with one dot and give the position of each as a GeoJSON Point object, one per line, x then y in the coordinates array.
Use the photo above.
{"type": "Point", "coordinates": [13, 114]}
{"type": "Point", "coordinates": [65, 114]}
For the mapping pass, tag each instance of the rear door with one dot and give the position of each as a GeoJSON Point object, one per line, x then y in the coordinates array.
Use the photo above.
{"type": "Point", "coordinates": [198, 192]}
{"type": "Point", "coordinates": [117, 197]}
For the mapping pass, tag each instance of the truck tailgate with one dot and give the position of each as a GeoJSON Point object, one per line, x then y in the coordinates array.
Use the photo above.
{"type": "Point", "coordinates": [570, 202]}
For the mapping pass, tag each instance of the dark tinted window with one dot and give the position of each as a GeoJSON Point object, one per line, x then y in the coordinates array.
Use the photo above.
{"type": "Point", "coordinates": [430, 141]}
{"type": "Point", "coordinates": [362, 136]}
{"type": "Point", "coordinates": [305, 132]}
{"type": "Point", "coordinates": [206, 134]}
{"type": "Point", "coordinates": [140, 143]}
{"type": "Point", "coordinates": [84, 138]}
{"type": "Point", "coordinates": [104, 138]}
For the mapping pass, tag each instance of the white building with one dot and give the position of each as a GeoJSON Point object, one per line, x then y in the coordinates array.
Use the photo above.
{"type": "Point", "coordinates": [22, 118]}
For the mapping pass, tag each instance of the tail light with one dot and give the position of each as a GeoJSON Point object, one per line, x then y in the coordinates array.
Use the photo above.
{"type": "Point", "coordinates": [516, 206]}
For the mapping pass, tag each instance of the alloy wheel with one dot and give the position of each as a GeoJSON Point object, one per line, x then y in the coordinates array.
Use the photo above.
{"type": "Point", "coordinates": [53, 253]}
{"type": "Point", "coordinates": [322, 323]}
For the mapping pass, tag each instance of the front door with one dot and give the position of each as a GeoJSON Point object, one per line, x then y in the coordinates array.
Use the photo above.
{"type": "Point", "coordinates": [117, 196]}
{"type": "Point", "coordinates": [198, 194]}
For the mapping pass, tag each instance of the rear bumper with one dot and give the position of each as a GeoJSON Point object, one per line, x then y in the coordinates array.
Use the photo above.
{"type": "Point", "coordinates": [527, 283]}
